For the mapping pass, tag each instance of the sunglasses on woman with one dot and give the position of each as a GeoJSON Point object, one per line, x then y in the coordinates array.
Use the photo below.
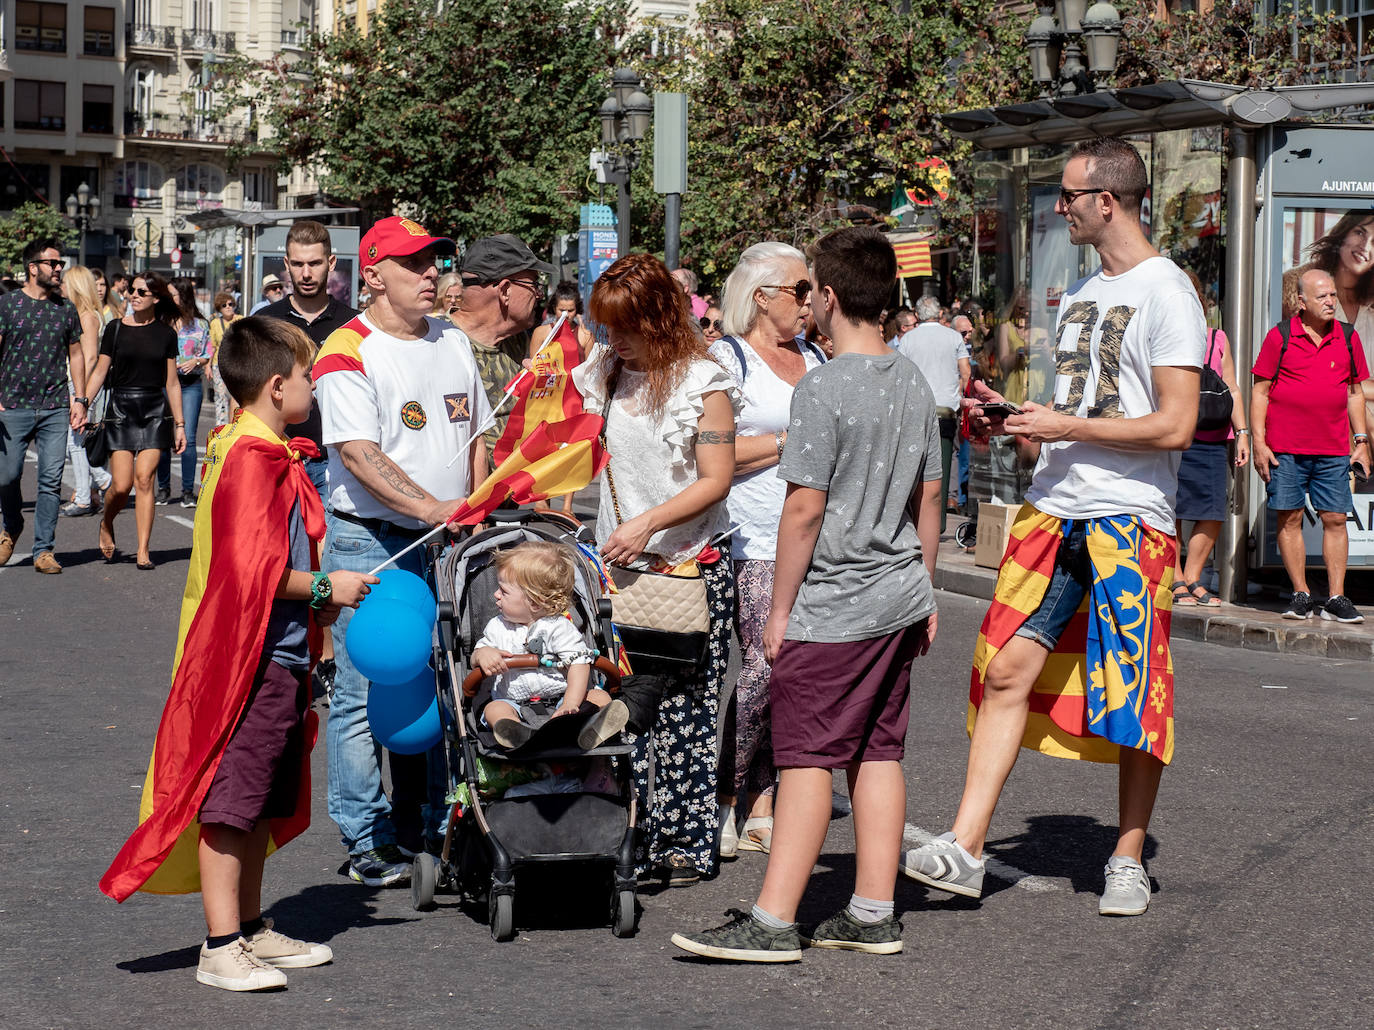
{"type": "Point", "coordinates": [800, 289]}
{"type": "Point", "coordinates": [142, 292]}
{"type": "Point", "coordinates": [713, 324]}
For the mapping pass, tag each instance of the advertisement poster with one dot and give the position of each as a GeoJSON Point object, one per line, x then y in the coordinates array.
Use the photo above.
{"type": "Point", "coordinates": [1339, 241]}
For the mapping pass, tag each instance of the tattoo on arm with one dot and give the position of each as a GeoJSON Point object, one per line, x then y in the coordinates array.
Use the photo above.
{"type": "Point", "coordinates": [716, 436]}
{"type": "Point", "coordinates": [390, 474]}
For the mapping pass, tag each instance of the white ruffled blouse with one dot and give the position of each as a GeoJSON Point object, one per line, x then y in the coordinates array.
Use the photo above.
{"type": "Point", "coordinates": [654, 459]}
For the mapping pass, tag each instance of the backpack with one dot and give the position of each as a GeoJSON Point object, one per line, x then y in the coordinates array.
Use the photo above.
{"type": "Point", "coordinates": [1285, 327]}
{"type": "Point", "coordinates": [744, 365]}
{"type": "Point", "coordinates": [1214, 398]}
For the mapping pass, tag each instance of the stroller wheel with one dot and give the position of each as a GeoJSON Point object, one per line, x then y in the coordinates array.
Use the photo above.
{"type": "Point", "coordinates": [501, 912]}
{"type": "Point", "coordinates": [424, 878]}
{"type": "Point", "coordinates": [966, 534]}
{"type": "Point", "coordinates": [623, 913]}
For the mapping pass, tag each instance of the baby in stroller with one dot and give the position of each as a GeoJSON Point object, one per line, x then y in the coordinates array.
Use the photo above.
{"type": "Point", "coordinates": [535, 585]}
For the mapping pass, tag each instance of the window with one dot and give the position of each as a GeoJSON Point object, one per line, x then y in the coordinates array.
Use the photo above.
{"type": "Point", "coordinates": [39, 26]}
{"type": "Point", "coordinates": [201, 186]}
{"type": "Point", "coordinates": [70, 177]}
{"type": "Point", "coordinates": [142, 87]}
{"type": "Point", "coordinates": [20, 183]}
{"type": "Point", "coordinates": [138, 184]}
{"type": "Point", "coordinates": [259, 189]}
{"type": "Point", "coordinates": [40, 105]}
{"type": "Point", "coordinates": [97, 109]}
{"type": "Point", "coordinates": [100, 23]}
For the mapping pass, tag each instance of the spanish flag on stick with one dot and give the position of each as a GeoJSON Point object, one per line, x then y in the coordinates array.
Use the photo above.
{"type": "Point", "coordinates": [241, 548]}
{"type": "Point", "coordinates": [545, 393]}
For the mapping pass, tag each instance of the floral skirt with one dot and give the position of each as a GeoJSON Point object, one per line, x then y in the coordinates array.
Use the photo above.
{"type": "Point", "coordinates": [675, 762]}
{"type": "Point", "coordinates": [746, 749]}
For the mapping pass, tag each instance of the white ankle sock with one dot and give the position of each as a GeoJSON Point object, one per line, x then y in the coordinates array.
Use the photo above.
{"type": "Point", "coordinates": [770, 921]}
{"type": "Point", "coordinates": [950, 837]}
{"type": "Point", "coordinates": [866, 910]}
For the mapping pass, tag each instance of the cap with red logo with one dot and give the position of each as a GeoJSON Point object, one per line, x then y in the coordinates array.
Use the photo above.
{"type": "Point", "coordinates": [398, 237]}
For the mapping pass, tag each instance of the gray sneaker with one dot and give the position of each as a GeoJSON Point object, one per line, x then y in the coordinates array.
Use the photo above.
{"type": "Point", "coordinates": [743, 939]}
{"type": "Point", "coordinates": [942, 865]}
{"type": "Point", "coordinates": [383, 866]}
{"type": "Point", "coordinates": [1128, 888]}
{"type": "Point", "coordinates": [843, 931]}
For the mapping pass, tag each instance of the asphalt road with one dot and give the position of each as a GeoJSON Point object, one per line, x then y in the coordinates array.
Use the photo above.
{"type": "Point", "coordinates": [1259, 854]}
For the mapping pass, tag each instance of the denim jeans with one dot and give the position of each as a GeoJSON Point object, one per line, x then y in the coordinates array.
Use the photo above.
{"type": "Point", "coordinates": [357, 803]}
{"type": "Point", "coordinates": [192, 393]}
{"type": "Point", "coordinates": [82, 472]}
{"type": "Point", "coordinates": [318, 471]}
{"type": "Point", "coordinates": [47, 430]}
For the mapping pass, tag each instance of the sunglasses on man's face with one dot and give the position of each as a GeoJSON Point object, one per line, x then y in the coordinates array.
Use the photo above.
{"type": "Point", "coordinates": [712, 324]}
{"type": "Point", "coordinates": [55, 266]}
{"type": "Point", "coordinates": [800, 289]}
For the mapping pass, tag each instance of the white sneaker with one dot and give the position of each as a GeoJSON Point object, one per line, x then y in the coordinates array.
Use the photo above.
{"type": "Point", "coordinates": [1128, 888]}
{"type": "Point", "coordinates": [234, 967]}
{"type": "Point", "coordinates": [277, 949]}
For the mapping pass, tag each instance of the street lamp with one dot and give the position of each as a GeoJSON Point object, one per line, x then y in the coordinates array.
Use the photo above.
{"type": "Point", "coordinates": [625, 117]}
{"type": "Point", "coordinates": [83, 208]}
{"type": "Point", "coordinates": [1063, 30]}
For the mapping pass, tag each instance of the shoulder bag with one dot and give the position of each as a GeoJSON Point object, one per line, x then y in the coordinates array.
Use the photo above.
{"type": "Point", "coordinates": [662, 618]}
{"type": "Point", "coordinates": [1214, 397]}
{"type": "Point", "coordinates": [94, 440]}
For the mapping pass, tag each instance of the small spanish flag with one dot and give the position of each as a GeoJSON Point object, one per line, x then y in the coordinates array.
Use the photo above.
{"type": "Point", "coordinates": [913, 258]}
{"type": "Point", "coordinates": [545, 393]}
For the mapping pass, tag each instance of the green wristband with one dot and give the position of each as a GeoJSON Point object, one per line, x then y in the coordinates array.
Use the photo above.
{"type": "Point", "coordinates": [321, 590]}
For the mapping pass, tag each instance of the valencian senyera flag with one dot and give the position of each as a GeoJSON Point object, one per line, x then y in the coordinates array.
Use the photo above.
{"type": "Point", "coordinates": [554, 458]}
{"type": "Point", "coordinates": [545, 392]}
{"type": "Point", "coordinates": [1109, 683]}
{"type": "Point", "coordinates": [252, 481]}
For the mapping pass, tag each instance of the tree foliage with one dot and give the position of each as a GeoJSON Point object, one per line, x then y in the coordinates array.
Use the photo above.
{"type": "Point", "coordinates": [31, 221]}
{"type": "Point", "coordinates": [477, 117]}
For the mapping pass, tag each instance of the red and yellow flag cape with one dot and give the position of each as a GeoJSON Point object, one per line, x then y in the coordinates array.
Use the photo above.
{"type": "Point", "coordinates": [241, 548]}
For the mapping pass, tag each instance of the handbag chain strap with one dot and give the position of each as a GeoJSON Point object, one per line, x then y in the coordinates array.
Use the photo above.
{"type": "Point", "coordinates": [612, 382]}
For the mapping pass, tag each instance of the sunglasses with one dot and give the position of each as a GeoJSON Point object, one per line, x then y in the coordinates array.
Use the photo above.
{"type": "Point", "coordinates": [56, 266]}
{"type": "Point", "coordinates": [800, 289]}
{"type": "Point", "coordinates": [141, 293]}
{"type": "Point", "coordinates": [1067, 197]}
{"type": "Point", "coordinates": [713, 323]}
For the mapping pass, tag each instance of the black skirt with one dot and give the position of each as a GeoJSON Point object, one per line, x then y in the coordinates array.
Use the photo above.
{"type": "Point", "coordinates": [138, 420]}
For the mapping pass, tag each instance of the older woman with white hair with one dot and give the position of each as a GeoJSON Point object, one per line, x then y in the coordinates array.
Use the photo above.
{"type": "Point", "coordinates": [764, 312]}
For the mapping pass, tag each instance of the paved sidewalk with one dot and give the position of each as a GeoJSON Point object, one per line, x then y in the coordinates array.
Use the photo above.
{"type": "Point", "coordinates": [1256, 627]}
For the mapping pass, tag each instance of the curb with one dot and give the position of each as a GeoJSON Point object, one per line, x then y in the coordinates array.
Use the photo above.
{"type": "Point", "coordinates": [1224, 630]}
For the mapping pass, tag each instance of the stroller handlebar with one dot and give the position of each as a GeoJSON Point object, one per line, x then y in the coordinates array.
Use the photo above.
{"type": "Point", "coordinates": [603, 665]}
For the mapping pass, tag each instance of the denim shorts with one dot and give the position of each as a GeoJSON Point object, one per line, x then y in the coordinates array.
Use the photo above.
{"type": "Point", "coordinates": [1072, 579]}
{"type": "Point", "coordinates": [1322, 478]}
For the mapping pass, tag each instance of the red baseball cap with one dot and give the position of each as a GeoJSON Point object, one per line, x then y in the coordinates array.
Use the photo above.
{"type": "Point", "coordinates": [398, 237]}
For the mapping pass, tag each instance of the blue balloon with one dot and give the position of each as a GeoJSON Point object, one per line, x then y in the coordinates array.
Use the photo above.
{"type": "Point", "coordinates": [388, 641]}
{"type": "Point", "coordinates": [405, 717]}
{"type": "Point", "coordinates": [399, 585]}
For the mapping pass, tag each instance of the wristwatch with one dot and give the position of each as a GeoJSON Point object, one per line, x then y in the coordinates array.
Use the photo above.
{"type": "Point", "coordinates": [85, 402]}
{"type": "Point", "coordinates": [321, 590]}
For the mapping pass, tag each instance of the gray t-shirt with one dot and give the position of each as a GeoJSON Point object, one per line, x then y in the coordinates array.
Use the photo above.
{"type": "Point", "coordinates": [864, 430]}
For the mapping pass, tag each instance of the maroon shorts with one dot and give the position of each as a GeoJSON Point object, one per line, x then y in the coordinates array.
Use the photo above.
{"type": "Point", "coordinates": [259, 774]}
{"type": "Point", "coordinates": [836, 704]}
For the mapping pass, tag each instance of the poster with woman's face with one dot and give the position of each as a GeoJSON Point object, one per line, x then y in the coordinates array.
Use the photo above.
{"type": "Point", "coordinates": [341, 281]}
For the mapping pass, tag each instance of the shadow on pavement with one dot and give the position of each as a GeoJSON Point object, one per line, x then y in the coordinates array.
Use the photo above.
{"type": "Point", "coordinates": [1060, 846]}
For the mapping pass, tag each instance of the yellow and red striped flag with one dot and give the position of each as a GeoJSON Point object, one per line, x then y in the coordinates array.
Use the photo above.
{"type": "Point", "coordinates": [545, 393]}
{"type": "Point", "coordinates": [913, 258]}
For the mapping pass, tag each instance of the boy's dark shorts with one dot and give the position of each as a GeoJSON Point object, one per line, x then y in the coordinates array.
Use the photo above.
{"type": "Point", "coordinates": [836, 704]}
{"type": "Point", "coordinates": [259, 774]}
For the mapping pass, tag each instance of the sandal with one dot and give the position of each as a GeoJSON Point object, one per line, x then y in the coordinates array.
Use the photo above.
{"type": "Point", "coordinates": [1183, 597]}
{"type": "Point", "coordinates": [107, 550]}
{"type": "Point", "coordinates": [1206, 599]}
{"type": "Point", "coordinates": [757, 835]}
{"type": "Point", "coordinates": [677, 871]}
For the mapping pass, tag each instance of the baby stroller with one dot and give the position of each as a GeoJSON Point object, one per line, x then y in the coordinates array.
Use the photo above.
{"type": "Point", "coordinates": [502, 815]}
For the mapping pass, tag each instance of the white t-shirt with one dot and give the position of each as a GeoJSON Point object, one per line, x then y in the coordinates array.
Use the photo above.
{"type": "Point", "coordinates": [654, 459]}
{"type": "Point", "coordinates": [551, 635]}
{"type": "Point", "coordinates": [418, 399]}
{"type": "Point", "coordinates": [936, 350]}
{"type": "Point", "coordinates": [755, 501]}
{"type": "Point", "coordinates": [1112, 331]}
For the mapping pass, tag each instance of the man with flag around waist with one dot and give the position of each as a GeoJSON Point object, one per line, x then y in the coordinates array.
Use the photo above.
{"type": "Point", "coordinates": [1073, 655]}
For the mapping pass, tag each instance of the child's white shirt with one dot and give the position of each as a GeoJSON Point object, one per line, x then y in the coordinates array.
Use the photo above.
{"type": "Point", "coordinates": [553, 635]}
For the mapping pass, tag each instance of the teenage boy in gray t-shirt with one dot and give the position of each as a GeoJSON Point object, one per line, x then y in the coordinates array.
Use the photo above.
{"type": "Point", "coordinates": [852, 607]}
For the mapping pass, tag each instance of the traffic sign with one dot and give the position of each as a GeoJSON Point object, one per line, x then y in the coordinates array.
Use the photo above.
{"type": "Point", "coordinates": [176, 257]}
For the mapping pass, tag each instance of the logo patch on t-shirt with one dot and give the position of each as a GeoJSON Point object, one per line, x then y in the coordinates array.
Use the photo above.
{"type": "Point", "coordinates": [413, 415]}
{"type": "Point", "coordinates": [458, 410]}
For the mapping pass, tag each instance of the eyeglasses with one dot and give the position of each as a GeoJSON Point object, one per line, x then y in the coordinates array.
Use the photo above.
{"type": "Point", "coordinates": [533, 285]}
{"type": "Point", "coordinates": [141, 293]}
{"type": "Point", "coordinates": [799, 289]}
{"type": "Point", "coordinates": [56, 266]}
{"type": "Point", "coordinates": [1067, 197]}
{"type": "Point", "coordinates": [713, 323]}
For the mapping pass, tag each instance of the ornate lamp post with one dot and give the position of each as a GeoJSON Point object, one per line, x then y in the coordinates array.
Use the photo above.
{"type": "Point", "coordinates": [625, 117]}
{"type": "Point", "coordinates": [1057, 39]}
{"type": "Point", "coordinates": [83, 208]}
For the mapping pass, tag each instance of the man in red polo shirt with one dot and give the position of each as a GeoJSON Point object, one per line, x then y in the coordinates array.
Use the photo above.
{"type": "Point", "coordinates": [1305, 405]}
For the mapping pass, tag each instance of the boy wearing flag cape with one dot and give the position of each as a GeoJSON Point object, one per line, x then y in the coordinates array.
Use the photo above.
{"type": "Point", "coordinates": [229, 779]}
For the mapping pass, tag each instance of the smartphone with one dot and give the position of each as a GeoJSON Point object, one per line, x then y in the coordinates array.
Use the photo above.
{"type": "Point", "coordinates": [999, 410]}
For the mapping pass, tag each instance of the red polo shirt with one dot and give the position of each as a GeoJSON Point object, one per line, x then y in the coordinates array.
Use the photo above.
{"type": "Point", "coordinates": [1308, 411]}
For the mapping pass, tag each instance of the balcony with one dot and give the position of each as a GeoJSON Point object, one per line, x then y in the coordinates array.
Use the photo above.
{"type": "Point", "coordinates": [150, 37]}
{"type": "Point", "coordinates": [203, 40]}
{"type": "Point", "coordinates": [181, 129]}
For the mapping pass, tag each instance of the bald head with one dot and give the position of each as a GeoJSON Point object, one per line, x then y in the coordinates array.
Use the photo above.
{"type": "Point", "coordinates": [1317, 298]}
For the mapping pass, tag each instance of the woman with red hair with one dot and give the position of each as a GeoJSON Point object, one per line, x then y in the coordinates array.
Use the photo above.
{"type": "Point", "coordinates": [670, 429]}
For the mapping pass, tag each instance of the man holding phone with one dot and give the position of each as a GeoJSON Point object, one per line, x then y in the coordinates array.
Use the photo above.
{"type": "Point", "coordinates": [1098, 523]}
{"type": "Point", "coordinates": [1307, 416]}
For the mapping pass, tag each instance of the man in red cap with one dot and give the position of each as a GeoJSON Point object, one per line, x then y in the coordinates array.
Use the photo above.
{"type": "Point", "coordinates": [399, 396]}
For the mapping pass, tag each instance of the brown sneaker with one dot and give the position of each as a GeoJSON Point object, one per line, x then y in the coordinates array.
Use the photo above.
{"type": "Point", "coordinates": [6, 546]}
{"type": "Point", "coordinates": [46, 564]}
{"type": "Point", "coordinates": [234, 967]}
{"type": "Point", "coordinates": [277, 949]}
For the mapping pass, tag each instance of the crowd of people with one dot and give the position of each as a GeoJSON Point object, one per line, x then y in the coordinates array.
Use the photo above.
{"type": "Point", "coordinates": [787, 442]}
